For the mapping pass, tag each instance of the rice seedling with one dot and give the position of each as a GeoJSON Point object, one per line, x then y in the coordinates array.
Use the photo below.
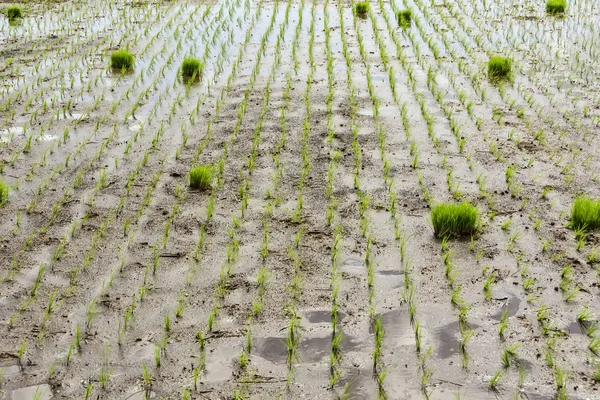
{"type": "Point", "coordinates": [555, 7]}
{"type": "Point", "coordinates": [201, 177]}
{"type": "Point", "coordinates": [121, 60]}
{"type": "Point", "coordinates": [191, 68]}
{"type": "Point", "coordinates": [499, 67]}
{"type": "Point", "coordinates": [13, 13]}
{"type": "Point", "coordinates": [361, 8]}
{"type": "Point", "coordinates": [404, 18]}
{"type": "Point", "coordinates": [4, 190]}
{"type": "Point", "coordinates": [585, 213]}
{"type": "Point", "coordinates": [454, 219]}
{"type": "Point", "coordinates": [494, 380]}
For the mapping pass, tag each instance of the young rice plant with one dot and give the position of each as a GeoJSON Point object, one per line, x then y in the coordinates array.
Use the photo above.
{"type": "Point", "coordinates": [454, 219]}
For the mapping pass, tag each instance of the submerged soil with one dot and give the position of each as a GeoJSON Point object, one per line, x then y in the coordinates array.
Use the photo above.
{"type": "Point", "coordinates": [110, 262]}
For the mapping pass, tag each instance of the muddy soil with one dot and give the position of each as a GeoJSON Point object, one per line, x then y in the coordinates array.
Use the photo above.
{"type": "Point", "coordinates": [120, 281]}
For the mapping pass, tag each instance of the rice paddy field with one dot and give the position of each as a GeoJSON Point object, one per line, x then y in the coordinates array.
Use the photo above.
{"type": "Point", "coordinates": [299, 199]}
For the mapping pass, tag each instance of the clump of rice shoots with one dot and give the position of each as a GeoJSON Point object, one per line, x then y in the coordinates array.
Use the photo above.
{"type": "Point", "coordinates": [454, 219]}
{"type": "Point", "coordinates": [361, 8]}
{"type": "Point", "coordinates": [14, 13]}
{"type": "Point", "coordinates": [404, 17]}
{"type": "Point", "coordinates": [201, 177]}
{"type": "Point", "coordinates": [585, 213]}
{"type": "Point", "coordinates": [121, 59]}
{"type": "Point", "coordinates": [556, 6]}
{"type": "Point", "coordinates": [4, 189]}
{"type": "Point", "coordinates": [191, 68]}
{"type": "Point", "coordinates": [499, 67]}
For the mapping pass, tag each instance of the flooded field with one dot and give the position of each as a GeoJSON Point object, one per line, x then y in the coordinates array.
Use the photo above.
{"type": "Point", "coordinates": [303, 264]}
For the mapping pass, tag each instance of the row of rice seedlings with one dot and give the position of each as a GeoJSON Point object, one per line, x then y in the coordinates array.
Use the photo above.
{"type": "Point", "coordinates": [335, 155]}
{"type": "Point", "coordinates": [296, 38]}
{"type": "Point", "coordinates": [379, 366]}
{"type": "Point", "coordinates": [295, 287]}
{"type": "Point", "coordinates": [263, 273]}
{"type": "Point", "coordinates": [409, 291]}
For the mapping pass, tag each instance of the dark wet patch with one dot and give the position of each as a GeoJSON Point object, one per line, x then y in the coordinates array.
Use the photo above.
{"type": "Point", "coordinates": [579, 328]}
{"type": "Point", "coordinates": [397, 329]}
{"type": "Point", "coordinates": [311, 349]}
{"type": "Point", "coordinates": [322, 316]}
{"type": "Point", "coordinates": [389, 272]}
{"type": "Point", "coordinates": [448, 342]}
{"type": "Point", "coordinates": [512, 305]}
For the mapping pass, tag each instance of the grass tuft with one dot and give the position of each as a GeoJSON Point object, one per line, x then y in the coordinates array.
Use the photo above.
{"type": "Point", "coordinates": [556, 6]}
{"type": "Point", "coordinates": [499, 67]}
{"type": "Point", "coordinates": [191, 68]}
{"type": "Point", "coordinates": [121, 59]}
{"type": "Point", "coordinates": [201, 177]}
{"type": "Point", "coordinates": [362, 7]}
{"type": "Point", "coordinates": [13, 13]}
{"type": "Point", "coordinates": [454, 219]}
{"type": "Point", "coordinates": [585, 213]}
{"type": "Point", "coordinates": [404, 17]}
{"type": "Point", "coordinates": [4, 189]}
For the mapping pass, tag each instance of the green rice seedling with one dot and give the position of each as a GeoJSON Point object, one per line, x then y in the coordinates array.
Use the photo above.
{"type": "Point", "coordinates": [454, 219]}
{"type": "Point", "coordinates": [167, 320]}
{"type": "Point", "coordinates": [201, 177]}
{"type": "Point", "coordinates": [585, 213]}
{"type": "Point", "coordinates": [594, 346]}
{"type": "Point", "coordinates": [404, 17]}
{"type": "Point", "coordinates": [503, 323]}
{"type": "Point", "coordinates": [555, 7]}
{"type": "Point", "coordinates": [505, 357]}
{"type": "Point", "coordinates": [499, 67]}
{"type": "Point", "coordinates": [121, 59]}
{"type": "Point", "coordinates": [13, 13]}
{"type": "Point", "coordinates": [146, 379]}
{"type": "Point", "coordinates": [584, 315]}
{"type": "Point", "coordinates": [4, 189]}
{"type": "Point", "coordinates": [596, 374]}
{"type": "Point", "coordinates": [157, 355]}
{"type": "Point", "coordinates": [361, 8]}
{"type": "Point", "coordinates": [88, 390]}
{"type": "Point", "coordinates": [191, 68]}
{"type": "Point", "coordinates": [494, 380]}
